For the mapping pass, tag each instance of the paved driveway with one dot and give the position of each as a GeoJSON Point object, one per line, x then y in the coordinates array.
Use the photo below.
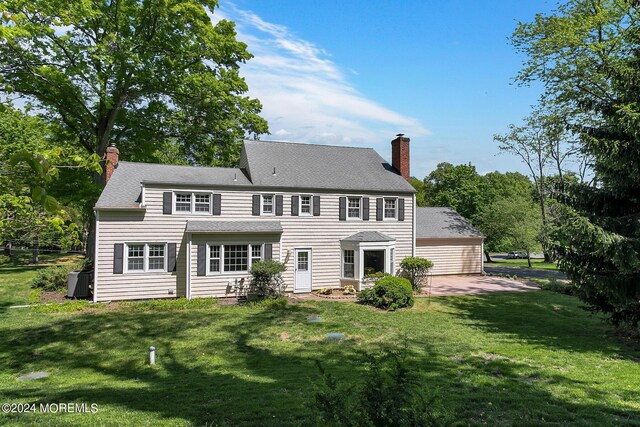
{"type": "Point", "coordinates": [525, 272]}
{"type": "Point", "coordinates": [472, 285]}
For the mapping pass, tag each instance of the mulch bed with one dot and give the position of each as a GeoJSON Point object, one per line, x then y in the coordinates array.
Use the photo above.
{"type": "Point", "coordinates": [336, 294]}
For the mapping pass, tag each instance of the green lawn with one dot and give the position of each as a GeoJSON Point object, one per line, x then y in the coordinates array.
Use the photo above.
{"type": "Point", "coordinates": [535, 263]}
{"type": "Point", "coordinates": [502, 359]}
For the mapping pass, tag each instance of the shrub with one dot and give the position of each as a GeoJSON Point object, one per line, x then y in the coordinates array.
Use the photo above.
{"type": "Point", "coordinates": [416, 270]}
{"type": "Point", "coordinates": [390, 395]}
{"type": "Point", "coordinates": [325, 291]}
{"type": "Point", "coordinates": [53, 278]}
{"type": "Point", "coordinates": [389, 293]}
{"type": "Point", "coordinates": [560, 287]}
{"type": "Point", "coordinates": [266, 278]}
{"type": "Point", "coordinates": [349, 290]}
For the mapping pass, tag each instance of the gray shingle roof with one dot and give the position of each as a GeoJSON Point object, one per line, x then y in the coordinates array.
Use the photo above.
{"type": "Point", "coordinates": [320, 167]}
{"type": "Point", "coordinates": [124, 186]}
{"type": "Point", "coordinates": [443, 223]}
{"type": "Point", "coordinates": [234, 227]}
{"type": "Point", "coordinates": [368, 236]}
{"type": "Point", "coordinates": [303, 166]}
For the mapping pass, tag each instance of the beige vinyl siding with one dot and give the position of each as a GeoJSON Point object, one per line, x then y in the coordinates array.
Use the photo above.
{"type": "Point", "coordinates": [139, 227]}
{"type": "Point", "coordinates": [220, 284]}
{"type": "Point", "coordinates": [453, 255]}
{"type": "Point", "coordinates": [320, 233]}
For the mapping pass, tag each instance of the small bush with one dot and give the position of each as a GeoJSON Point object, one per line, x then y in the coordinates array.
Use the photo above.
{"type": "Point", "coordinates": [53, 278]}
{"type": "Point", "coordinates": [389, 293]}
{"type": "Point", "coordinates": [560, 287]}
{"type": "Point", "coordinates": [514, 277]}
{"type": "Point", "coordinates": [266, 278]}
{"type": "Point", "coordinates": [391, 394]}
{"type": "Point", "coordinates": [325, 291]}
{"type": "Point", "coordinates": [416, 270]}
{"type": "Point", "coordinates": [349, 290]}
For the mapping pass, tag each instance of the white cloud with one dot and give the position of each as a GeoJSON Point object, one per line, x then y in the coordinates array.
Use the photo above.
{"type": "Point", "coordinates": [306, 96]}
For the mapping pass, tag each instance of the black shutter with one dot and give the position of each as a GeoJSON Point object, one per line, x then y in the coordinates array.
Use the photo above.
{"type": "Point", "coordinates": [379, 208]}
{"type": "Point", "coordinates": [118, 258]}
{"type": "Point", "coordinates": [167, 202]}
{"type": "Point", "coordinates": [256, 205]}
{"type": "Point", "coordinates": [279, 208]}
{"type": "Point", "coordinates": [365, 208]}
{"type": "Point", "coordinates": [295, 203]}
{"type": "Point", "coordinates": [202, 260]}
{"type": "Point", "coordinates": [268, 251]}
{"type": "Point", "coordinates": [343, 209]}
{"type": "Point", "coordinates": [316, 205]}
{"type": "Point", "coordinates": [217, 204]}
{"type": "Point", "coordinates": [400, 209]}
{"type": "Point", "coordinates": [171, 257]}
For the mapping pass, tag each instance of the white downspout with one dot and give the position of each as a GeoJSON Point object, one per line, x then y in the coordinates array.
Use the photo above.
{"type": "Point", "coordinates": [413, 227]}
{"type": "Point", "coordinates": [188, 275]}
{"type": "Point", "coordinates": [95, 257]}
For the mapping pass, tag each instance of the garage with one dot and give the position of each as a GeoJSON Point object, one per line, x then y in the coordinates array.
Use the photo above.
{"type": "Point", "coordinates": [444, 237]}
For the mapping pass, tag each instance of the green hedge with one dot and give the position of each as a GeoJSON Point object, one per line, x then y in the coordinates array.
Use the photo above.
{"type": "Point", "coordinates": [389, 293]}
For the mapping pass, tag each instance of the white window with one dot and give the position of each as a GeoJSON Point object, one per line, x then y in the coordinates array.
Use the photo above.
{"type": "Point", "coordinates": [305, 205]}
{"type": "Point", "coordinates": [142, 257]}
{"type": "Point", "coordinates": [233, 258]}
{"type": "Point", "coordinates": [183, 202]}
{"type": "Point", "coordinates": [135, 257]}
{"type": "Point", "coordinates": [256, 253]}
{"type": "Point", "coordinates": [353, 207]}
{"type": "Point", "coordinates": [214, 258]}
{"type": "Point", "coordinates": [203, 203]}
{"type": "Point", "coordinates": [156, 257]}
{"type": "Point", "coordinates": [348, 263]}
{"type": "Point", "coordinates": [267, 203]}
{"type": "Point", "coordinates": [236, 257]}
{"type": "Point", "coordinates": [199, 203]}
{"type": "Point", "coordinates": [390, 208]}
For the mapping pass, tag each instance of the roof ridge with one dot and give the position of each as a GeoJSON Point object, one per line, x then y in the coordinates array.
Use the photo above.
{"type": "Point", "coordinates": [181, 166]}
{"type": "Point", "coordinates": [308, 144]}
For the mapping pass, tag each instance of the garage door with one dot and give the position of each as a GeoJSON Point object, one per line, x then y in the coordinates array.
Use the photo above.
{"type": "Point", "coordinates": [452, 256]}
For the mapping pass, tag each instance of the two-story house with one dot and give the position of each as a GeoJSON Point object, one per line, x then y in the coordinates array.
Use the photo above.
{"type": "Point", "coordinates": [332, 214]}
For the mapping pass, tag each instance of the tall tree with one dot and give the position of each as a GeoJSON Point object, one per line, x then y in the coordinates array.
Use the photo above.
{"type": "Point", "coordinates": [533, 142]}
{"type": "Point", "coordinates": [587, 55]}
{"type": "Point", "coordinates": [514, 222]}
{"type": "Point", "coordinates": [459, 187]}
{"type": "Point", "coordinates": [134, 73]}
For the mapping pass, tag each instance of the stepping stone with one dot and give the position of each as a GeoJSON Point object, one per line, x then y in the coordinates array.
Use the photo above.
{"type": "Point", "coordinates": [334, 336]}
{"type": "Point", "coordinates": [34, 376]}
{"type": "Point", "coordinates": [315, 320]}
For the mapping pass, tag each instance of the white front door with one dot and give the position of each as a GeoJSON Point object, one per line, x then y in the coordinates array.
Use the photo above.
{"type": "Point", "coordinates": [302, 280]}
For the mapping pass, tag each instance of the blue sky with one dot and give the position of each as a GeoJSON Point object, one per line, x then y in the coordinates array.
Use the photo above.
{"type": "Point", "coordinates": [356, 72]}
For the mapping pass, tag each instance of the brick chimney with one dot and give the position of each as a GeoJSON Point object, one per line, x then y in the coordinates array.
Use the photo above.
{"type": "Point", "coordinates": [111, 163]}
{"type": "Point", "coordinates": [400, 155]}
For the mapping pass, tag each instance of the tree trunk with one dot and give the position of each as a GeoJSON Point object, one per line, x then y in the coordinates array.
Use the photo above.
{"type": "Point", "coordinates": [7, 248]}
{"type": "Point", "coordinates": [529, 259]}
{"type": "Point", "coordinates": [35, 251]}
{"type": "Point", "coordinates": [486, 254]}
